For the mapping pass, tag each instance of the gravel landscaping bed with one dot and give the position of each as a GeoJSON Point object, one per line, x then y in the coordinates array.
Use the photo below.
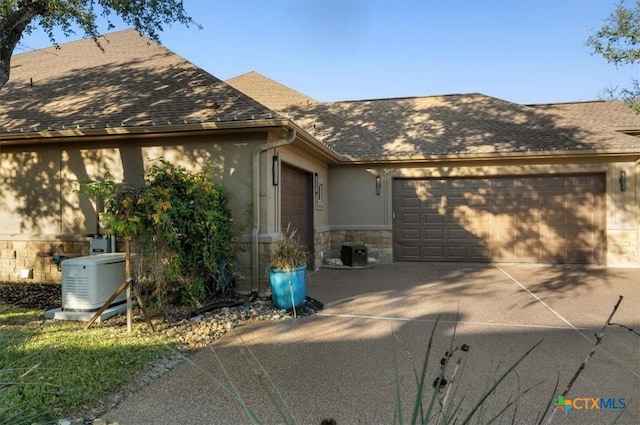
{"type": "Point", "coordinates": [191, 332]}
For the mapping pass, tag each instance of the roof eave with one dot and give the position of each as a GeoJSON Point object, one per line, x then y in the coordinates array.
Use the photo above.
{"type": "Point", "coordinates": [318, 149]}
{"type": "Point", "coordinates": [149, 131]}
{"type": "Point", "coordinates": [488, 156]}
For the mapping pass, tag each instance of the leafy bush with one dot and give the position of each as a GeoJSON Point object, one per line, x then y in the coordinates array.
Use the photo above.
{"type": "Point", "coordinates": [180, 226]}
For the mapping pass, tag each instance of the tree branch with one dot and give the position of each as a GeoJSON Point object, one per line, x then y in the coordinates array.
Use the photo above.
{"type": "Point", "coordinates": [11, 28]}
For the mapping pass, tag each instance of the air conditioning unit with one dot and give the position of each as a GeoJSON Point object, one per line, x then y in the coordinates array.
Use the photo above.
{"type": "Point", "coordinates": [88, 282]}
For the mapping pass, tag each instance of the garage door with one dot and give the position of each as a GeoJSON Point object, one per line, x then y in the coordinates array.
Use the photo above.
{"type": "Point", "coordinates": [558, 219]}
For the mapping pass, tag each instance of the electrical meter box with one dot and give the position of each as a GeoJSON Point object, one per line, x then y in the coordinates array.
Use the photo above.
{"type": "Point", "coordinates": [99, 246]}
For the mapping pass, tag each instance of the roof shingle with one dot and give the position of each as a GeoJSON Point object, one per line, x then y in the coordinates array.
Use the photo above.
{"type": "Point", "coordinates": [133, 81]}
{"type": "Point", "coordinates": [474, 123]}
{"type": "Point", "coordinates": [268, 92]}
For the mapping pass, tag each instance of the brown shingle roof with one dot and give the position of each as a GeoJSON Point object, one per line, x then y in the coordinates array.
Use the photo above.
{"type": "Point", "coordinates": [598, 114]}
{"type": "Point", "coordinates": [416, 127]}
{"type": "Point", "coordinates": [134, 81]}
{"type": "Point", "coordinates": [268, 92]}
{"type": "Point", "coordinates": [448, 125]}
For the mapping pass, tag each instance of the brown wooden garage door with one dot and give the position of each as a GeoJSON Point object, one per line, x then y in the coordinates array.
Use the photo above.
{"type": "Point", "coordinates": [297, 205]}
{"type": "Point", "coordinates": [558, 219]}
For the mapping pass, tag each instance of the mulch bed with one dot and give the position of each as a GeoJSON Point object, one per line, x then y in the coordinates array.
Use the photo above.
{"type": "Point", "coordinates": [46, 296]}
{"type": "Point", "coordinates": [43, 296]}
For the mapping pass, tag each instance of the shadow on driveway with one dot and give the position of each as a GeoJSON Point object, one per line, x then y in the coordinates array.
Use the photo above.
{"type": "Point", "coordinates": [341, 363]}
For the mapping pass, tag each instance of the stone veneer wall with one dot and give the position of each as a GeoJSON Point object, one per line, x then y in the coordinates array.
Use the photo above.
{"type": "Point", "coordinates": [242, 252]}
{"type": "Point", "coordinates": [36, 258]}
{"type": "Point", "coordinates": [379, 243]}
{"type": "Point", "coordinates": [327, 245]}
{"type": "Point", "coordinates": [322, 246]}
{"type": "Point", "coordinates": [242, 270]}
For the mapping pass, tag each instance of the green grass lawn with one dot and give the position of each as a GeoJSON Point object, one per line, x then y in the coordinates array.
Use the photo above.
{"type": "Point", "coordinates": [49, 368]}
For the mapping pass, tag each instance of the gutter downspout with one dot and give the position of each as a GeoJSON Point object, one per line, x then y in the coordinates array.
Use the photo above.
{"type": "Point", "coordinates": [255, 272]}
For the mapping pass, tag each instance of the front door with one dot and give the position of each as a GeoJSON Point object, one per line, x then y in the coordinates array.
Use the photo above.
{"type": "Point", "coordinates": [297, 205]}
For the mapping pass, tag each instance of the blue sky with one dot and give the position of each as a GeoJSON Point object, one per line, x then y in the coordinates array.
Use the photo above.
{"type": "Point", "coordinates": [525, 51]}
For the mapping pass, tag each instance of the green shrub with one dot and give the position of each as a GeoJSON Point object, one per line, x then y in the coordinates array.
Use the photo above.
{"type": "Point", "coordinates": [180, 227]}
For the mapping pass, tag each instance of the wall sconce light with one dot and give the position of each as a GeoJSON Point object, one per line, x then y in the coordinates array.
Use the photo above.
{"type": "Point", "coordinates": [316, 183]}
{"type": "Point", "coordinates": [623, 181]}
{"type": "Point", "coordinates": [275, 170]}
{"type": "Point", "coordinates": [378, 185]}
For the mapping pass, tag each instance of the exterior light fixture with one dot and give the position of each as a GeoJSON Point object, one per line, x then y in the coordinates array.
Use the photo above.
{"type": "Point", "coordinates": [378, 185]}
{"type": "Point", "coordinates": [316, 183]}
{"type": "Point", "coordinates": [623, 181]}
{"type": "Point", "coordinates": [275, 170]}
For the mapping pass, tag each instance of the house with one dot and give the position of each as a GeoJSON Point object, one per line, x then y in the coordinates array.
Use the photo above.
{"type": "Point", "coordinates": [460, 177]}
{"type": "Point", "coordinates": [470, 177]}
{"type": "Point", "coordinates": [74, 113]}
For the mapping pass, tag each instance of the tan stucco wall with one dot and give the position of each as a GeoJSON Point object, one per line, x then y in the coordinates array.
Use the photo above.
{"type": "Point", "coordinates": [39, 206]}
{"type": "Point", "coordinates": [270, 229]}
{"type": "Point", "coordinates": [38, 185]}
{"type": "Point", "coordinates": [362, 211]}
{"type": "Point", "coordinates": [41, 215]}
{"type": "Point", "coordinates": [623, 216]}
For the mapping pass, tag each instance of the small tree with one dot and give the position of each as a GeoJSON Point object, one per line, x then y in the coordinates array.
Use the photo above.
{"type": "Point", "coordinates": [180, 226]}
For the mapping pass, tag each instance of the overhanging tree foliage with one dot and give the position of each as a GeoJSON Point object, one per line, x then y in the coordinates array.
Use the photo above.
{"type": "Point", "coordinates": [618, 41]}
{"type": "Point", "coordinates": [19, 17]}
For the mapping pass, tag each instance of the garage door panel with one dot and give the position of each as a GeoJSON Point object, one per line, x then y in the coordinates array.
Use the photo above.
{"type": "Point", "coordinates": [436, 235]}
{"type": "Point", "coordinates": [503, 200]}
{"type": "Point", "coordinates": [411, 252]}
{"type": "Point", "coordinates": [525, 184]}
{"type": "Point", "coordinates": [504, 184]}
{"type": "Point", "coordinates": [502, 220]}
{"type": "Point", "coordinates": [473, 200]}
{"type": "Point", "coordinates": [456, 185]}
{"type": "Point", "coordinates": [529, 200]}
{"type": "Point", "coordinates": [457, 253]}
{"type": "Point", "coordinates": [433, 253]}
{"type": "Point", "coordinates": [434, 218]}
{"type": "Point", "coordinates": [555, 218]}
{"type": "Point", "coordinates": [457, 235]}
{"type": "Point", "coordinates": [588, 183]}
{"type": "Point", "coordinates": [409, 235]}
{"type": "Point", "coordinates": [411, 218]}
{"type": "Point", "coordinates": [555, 201]}
{"type": "Point", "coordinates": [454, 201]}
{"type": "Point", "coordinates": [500, 235]}
{"type": "Point", "coordinates": [431, 206]}
{"type": "Point", "coordinates": [480, 184]}
{"type": "Point", "coordinates": [410, 203]}
{"type": "Point", "coordinates": [530, 218]}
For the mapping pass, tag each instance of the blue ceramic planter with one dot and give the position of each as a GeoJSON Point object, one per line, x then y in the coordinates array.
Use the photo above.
{"type": "Point", "coordinates": [288, 289]}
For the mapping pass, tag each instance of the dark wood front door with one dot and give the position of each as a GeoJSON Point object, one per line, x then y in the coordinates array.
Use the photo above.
{"type": "Point", "coordinates": [297, 205]}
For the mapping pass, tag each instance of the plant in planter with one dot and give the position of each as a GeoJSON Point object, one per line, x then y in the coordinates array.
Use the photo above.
{"type": "Point", "coordinates": [288, 271]}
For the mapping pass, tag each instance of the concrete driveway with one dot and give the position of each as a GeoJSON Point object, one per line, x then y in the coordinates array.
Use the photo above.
{"type": "Point", "coordinates": [341, 363]}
